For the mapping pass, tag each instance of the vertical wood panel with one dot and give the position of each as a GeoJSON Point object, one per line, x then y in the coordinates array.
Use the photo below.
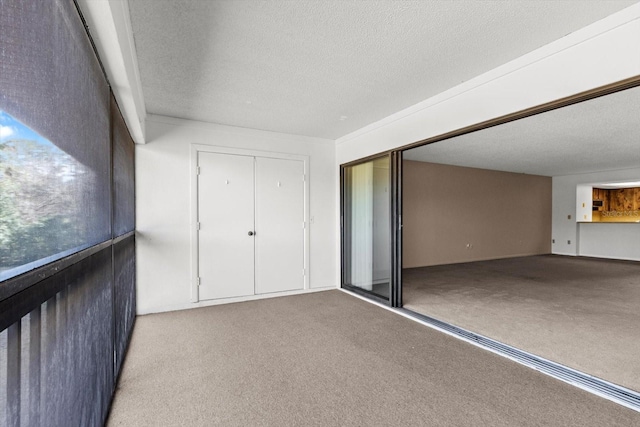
{"type": "Point", "coordinates": [24, 369]}
{"type": "Point", "coordinates": [13, 374]}
{"type": "Point", "coordinates": [3, 377]}
{"type": "Point", "coordinates": [62, 356]}
{"type": "Point", "coordinates": [49, 359]}
{"type": "Point", "coordinates": [34, 362]}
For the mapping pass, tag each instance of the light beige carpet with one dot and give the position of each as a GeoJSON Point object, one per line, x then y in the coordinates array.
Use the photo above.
{"type": "Point", "coordinates": [581, 312]}
{"type": "Point", "coordinates": [330, 359]}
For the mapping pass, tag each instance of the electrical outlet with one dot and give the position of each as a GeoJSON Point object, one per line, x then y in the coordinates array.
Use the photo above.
{"type": "Point", "coordinates": [568, 242]}
{"type": "Point", "coordinates": [568, 216]}
{"type": "Point", "coordinates": [553, 240]}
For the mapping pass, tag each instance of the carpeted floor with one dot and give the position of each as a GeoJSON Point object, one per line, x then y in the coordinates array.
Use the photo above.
{"type": "Point", "coordinates": [581, 312]}
{"type": "Point", "coordinates": [330, 359]}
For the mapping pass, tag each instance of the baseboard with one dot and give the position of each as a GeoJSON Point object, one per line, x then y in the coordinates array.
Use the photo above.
{"type": "Point", "coordinates": [482, 259]}
{"type": "Point", "coordinates": [608, 257]}
{"type": "Point", "coordinates": [207, 303]}
{"type": "Point", "coordinates": [565, 253]}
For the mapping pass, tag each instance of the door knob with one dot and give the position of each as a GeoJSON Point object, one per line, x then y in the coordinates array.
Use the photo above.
{"type": "Point", "coordinates": [251, 233]}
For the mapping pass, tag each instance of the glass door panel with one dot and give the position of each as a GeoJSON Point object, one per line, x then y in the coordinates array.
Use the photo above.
{"type": "Point", "coordinates": [367, 227]}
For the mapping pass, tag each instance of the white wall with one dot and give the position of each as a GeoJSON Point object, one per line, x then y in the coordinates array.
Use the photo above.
{"type": "Point", "coordinates": [163, 204]}
{"type": "Point", "coordinates": [609, 240]}
{"type": "Point", "coordinates": [584, 203]}
{"type": "Point", "coordinates": [590, 239]}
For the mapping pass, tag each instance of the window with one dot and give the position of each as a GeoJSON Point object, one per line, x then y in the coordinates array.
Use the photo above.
{"type": "Point", "coordinates": [55, 154]}
{"type": "Point", "coordinates": [43, 191]}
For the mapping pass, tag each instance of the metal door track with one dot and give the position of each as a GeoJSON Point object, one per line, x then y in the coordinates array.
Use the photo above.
{"type": "Point", "coordinates": [600, 387]}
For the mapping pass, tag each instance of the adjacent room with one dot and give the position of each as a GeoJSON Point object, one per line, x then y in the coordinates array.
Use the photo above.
{"type": "Point", "coordinates": [527, 233]}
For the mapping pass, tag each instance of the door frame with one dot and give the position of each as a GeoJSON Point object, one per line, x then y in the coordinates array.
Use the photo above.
{"type": "Point", "coordinates": [396, 155]}
{"type": "Point", "coordinates": [395, 229]}
{"type": "Point", "coordinates": [193, 223]}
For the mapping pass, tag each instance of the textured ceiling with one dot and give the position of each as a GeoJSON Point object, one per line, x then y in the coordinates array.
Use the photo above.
{"type": "Point", "coordinates": [327, 68]}
{"type": "Point", "coordinates": [597, 135]}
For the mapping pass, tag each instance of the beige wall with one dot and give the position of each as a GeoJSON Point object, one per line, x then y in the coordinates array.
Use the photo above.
{"type": "Point", "coordinates": [499, 214]}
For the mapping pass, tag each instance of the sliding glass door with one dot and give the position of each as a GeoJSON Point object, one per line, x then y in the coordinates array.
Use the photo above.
{"type": "Point", "coordinates": [366, 233]}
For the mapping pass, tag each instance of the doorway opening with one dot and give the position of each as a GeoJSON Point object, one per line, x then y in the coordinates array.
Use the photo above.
{"type": "Point", "coordinates": [494, 247]}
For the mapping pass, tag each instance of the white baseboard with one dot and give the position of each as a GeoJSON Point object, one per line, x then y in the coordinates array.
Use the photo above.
{"type": "Point", "coordinates": [207, 303]}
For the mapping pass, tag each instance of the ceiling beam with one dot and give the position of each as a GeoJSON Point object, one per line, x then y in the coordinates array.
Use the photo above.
{"type": "Point", "coordinates": [109, 24]}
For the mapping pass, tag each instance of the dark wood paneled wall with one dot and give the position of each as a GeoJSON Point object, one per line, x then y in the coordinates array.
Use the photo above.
{"type": "Point", "coordinates": [626, 201]}
{"type": "Point", "coordinates": [623, 199]}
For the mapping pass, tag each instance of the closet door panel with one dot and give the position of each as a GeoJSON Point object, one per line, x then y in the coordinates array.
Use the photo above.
{"type": "Point", "coordinates": [226, 217]}
{"type": "Point", "coordinates": [279, 225]}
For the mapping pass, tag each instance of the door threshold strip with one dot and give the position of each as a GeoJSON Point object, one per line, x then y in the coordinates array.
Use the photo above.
{"type": "Point", "coordinates": [600, 387]}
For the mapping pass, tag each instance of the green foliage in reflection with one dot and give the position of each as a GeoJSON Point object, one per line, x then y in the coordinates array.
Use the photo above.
{"type": "Point", "coordinates": [39, 207]}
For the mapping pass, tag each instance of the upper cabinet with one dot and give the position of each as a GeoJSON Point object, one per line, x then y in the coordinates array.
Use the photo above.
{"type": "Point", "coordinates": [616, 204]}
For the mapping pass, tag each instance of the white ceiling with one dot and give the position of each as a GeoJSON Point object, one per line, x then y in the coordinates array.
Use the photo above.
{"type": "Point", "coordinates": [327, 68]}
{"type": "Point", "coordinates": [597, 135]}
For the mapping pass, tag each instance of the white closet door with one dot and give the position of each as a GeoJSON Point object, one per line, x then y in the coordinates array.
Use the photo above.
{"type": "Point", "coordinates": [279, 225]}
{"type": "Point", "coordinates": [226, 216]}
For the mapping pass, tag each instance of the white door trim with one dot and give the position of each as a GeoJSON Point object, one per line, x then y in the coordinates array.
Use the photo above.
{"type": "Point", "coordinates": [195, 149]}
